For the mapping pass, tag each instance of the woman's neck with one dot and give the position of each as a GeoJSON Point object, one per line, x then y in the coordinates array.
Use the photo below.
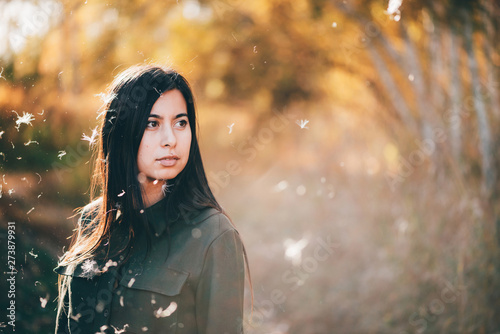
{"type": "Point", "coordinates": [152, 192]}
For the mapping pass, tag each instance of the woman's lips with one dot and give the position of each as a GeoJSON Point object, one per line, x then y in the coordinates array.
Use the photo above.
{"type": "Point", "coordinates": [168, 161]}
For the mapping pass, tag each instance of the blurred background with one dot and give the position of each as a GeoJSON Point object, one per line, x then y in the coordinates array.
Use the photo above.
{"type": "Point", "coordinates": [353, 143]}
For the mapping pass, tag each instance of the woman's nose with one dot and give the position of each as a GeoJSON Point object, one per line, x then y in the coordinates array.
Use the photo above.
{"type": "Point", "coordinates": [168, 137]}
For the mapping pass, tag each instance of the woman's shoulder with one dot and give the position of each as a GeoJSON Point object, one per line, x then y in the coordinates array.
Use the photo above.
{"type": "Point", "coordinates": [209, 222]}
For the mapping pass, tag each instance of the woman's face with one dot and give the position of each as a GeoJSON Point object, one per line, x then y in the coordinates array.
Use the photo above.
{"type": "Point", "coordinates": [164, 148]}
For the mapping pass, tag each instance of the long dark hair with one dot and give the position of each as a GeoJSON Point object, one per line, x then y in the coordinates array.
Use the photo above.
{"type": "Point", "coordinates": [130, 99]}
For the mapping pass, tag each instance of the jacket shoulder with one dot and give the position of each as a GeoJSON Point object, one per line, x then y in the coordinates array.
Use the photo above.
{"type": "Point", "coordinates": [215, 221]}
{"type": "Point", "coordinates": [204, 227]}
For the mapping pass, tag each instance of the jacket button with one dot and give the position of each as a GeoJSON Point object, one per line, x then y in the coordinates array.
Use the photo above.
{"type": "Point", "coordinates": [106, 313]}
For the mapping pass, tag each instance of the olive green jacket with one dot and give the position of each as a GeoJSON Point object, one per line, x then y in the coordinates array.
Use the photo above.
{"type": "Point", "coordinates": [198, 288]}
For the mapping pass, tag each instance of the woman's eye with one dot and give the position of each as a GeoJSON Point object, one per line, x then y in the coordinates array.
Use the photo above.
{"type": "Point", "coordinates": [181, 124]}
{"type": "Point", "coordinates": [152, 124]}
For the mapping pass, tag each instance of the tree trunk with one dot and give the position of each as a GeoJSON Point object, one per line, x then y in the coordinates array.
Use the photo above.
{"type": "Point", "coordinates": [456, 90]}
{"type": "Point", "coordinates": [483, 126]}
{"type": "Point", "coordinates": [492, 83]}
{"type": "Point", "coordinates": [392, 90]}
{"type": "Point", "coordinates": [436, 59]}
{"type": "Point", "coordinates": [418, 82]}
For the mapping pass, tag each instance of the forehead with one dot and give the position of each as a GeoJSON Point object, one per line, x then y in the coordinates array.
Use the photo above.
{"type": "Point", "coordinates": [171, 102]}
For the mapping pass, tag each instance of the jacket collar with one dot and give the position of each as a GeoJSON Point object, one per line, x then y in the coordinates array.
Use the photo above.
{"type": "Point", "coordinates": [156, 216]}
{"type": "Point", "coordinates": [158, 220]}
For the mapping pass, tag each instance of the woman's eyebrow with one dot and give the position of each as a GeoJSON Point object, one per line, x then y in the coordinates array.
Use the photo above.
{"type": "Point", "coordinates": [176, 116]}
{"type": "Point", "coordinates": [181, 115]}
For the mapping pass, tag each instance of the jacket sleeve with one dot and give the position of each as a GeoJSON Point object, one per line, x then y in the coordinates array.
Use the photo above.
{"type": "Point", "coordinates": [219, 296]}
{"type": "Point", "coordinates": [62, 319]}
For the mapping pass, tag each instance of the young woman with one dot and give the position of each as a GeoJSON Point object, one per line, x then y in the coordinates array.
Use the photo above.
{"type": "Point", "coordinates": [154, 251]}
